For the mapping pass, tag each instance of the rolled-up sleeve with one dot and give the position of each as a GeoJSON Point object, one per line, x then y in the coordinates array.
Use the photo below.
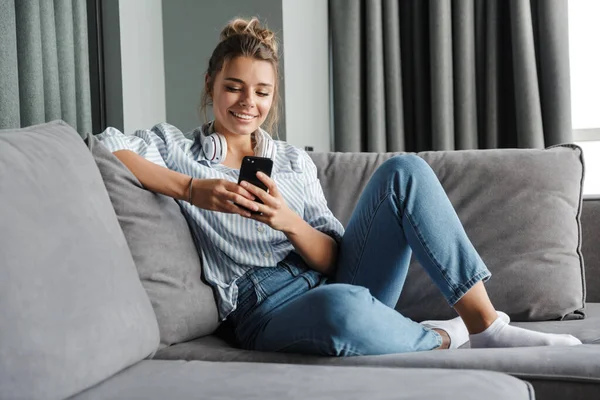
{"type": "Point", "coordinates": [316, 212]}
{"type": "Point", "coordinates": [143, 142]}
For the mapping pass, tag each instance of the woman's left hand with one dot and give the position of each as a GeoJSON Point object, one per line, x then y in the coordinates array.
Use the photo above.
{"type": "Point", "coordinates": [274, 209]}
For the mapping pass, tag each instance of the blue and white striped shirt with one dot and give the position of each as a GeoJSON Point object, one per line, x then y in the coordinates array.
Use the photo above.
{"type": "Point", "coordinates": [231, 244]}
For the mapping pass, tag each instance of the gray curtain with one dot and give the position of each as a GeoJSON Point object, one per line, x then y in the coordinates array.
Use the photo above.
{"type": "Point", "coordinates": [416, 75]}
{"type": "Point", "coordinates": [44, 63]}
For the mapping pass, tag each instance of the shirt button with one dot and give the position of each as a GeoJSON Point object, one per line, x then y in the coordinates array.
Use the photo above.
{"type": "Point", "coordinates": [260, 228]}
{"type": "Point", "coordinates": [267, 254]}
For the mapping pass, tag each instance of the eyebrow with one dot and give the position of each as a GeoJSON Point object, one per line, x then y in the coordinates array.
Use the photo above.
{"type": "Point", "coordinates": [242, 82]}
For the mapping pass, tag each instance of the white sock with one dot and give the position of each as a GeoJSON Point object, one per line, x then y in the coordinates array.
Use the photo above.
{"type": "Point", "coordinates": [456, 329]}
{"type": "Point", "coordinates": [500, 334]}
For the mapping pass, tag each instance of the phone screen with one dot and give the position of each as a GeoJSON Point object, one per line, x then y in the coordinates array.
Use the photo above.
{"type": "Point", "coordinates": [250, 166]}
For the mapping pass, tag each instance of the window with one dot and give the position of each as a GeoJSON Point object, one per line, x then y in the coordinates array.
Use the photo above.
{"type": "Point", "coordinates": [584, 58]}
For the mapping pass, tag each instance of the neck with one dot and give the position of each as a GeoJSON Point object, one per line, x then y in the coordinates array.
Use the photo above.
{"type": "Point", "coordinates": [236, 144]}
{"type": "Point", "coordinates": [239, 142]}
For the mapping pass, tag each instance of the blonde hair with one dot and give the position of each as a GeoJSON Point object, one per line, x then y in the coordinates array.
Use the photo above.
{"type": "Point", "coordinates": [245, 38]}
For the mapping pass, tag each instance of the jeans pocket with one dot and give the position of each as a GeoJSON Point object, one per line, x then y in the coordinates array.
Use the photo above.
{"type": "Point", "coordinates": [269, 280]}
{"type": "Point", "coordinates": [313, 278]}
{"type": "Point", "coordinates": [245, 305]}
{"type": "Point", "coordinates": [298, 267]}
{"type": "Point", "coordinates": [293, 270]}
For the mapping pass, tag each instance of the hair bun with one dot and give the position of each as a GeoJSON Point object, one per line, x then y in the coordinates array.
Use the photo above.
{"type": "Point", "coordinates": [240, 26]}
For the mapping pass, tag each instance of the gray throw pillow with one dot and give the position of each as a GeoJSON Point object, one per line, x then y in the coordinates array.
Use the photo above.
{"type": "Point", "coordinates": [72, 309]}
{"type": "Point", "coordinates": [519, 207]}
{"type": "Point", "coordinates": [164, 252]}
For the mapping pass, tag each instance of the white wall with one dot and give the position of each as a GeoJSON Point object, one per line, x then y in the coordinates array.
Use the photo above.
{"type": "Point", "coordinates": [306, 73]}
{"type": "Point", "coordinates": [191, 31]}
{"type": "Point", "coordinates": [584, 31]}
{"type": "Point", "coordinates": [584, 59]}
{"type": "Point", "coordinates": [142, 62]}
{"type": "Point", "coordinates": [157, 51]}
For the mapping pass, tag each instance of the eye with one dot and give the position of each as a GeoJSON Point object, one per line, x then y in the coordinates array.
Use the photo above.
{"type": "Point", "coordinates": [232, 89]}
{"type": "Point", "coordinates": [263, 94]}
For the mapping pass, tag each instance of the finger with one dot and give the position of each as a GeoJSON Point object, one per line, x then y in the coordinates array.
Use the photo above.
{"type": "Point", "coordinates": [258, 192]}
{"type": "Point", "coordinates": [266, 179]}
{"type": "Point", "coordinates": [253, 189]}
{"type": "Point", "coordinates": [234, 209]}
{"type": "Point", "coordinates": [260, 217]}
{"type": "Point", "coordinates": [243, 192]}
{"type": "Point", "coordinates": [242, 201]}
{"type": "Point", "coordinates": [243, 212]}
{"type": "Point", "coordinates": [227, 196]}
{"type": "Point", "coordinates": [235, 188]}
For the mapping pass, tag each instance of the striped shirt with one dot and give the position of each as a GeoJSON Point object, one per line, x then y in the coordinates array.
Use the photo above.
{"type": "Point", "coordinates": [230, 244]}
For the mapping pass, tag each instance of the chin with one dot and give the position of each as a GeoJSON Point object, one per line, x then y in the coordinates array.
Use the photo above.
{"type": "Point", "coordinates": [244, 130]}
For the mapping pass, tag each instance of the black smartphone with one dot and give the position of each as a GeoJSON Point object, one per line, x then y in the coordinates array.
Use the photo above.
{"type": "Point", "coordinates": [250, 166]}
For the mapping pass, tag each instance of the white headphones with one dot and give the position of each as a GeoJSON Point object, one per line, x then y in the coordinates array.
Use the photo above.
{"type": "Point", "coordinates": [214, 145]}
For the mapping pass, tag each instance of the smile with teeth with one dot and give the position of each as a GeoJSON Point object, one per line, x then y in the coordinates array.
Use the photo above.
{"type": "Point", "coordinates": [242, 116]}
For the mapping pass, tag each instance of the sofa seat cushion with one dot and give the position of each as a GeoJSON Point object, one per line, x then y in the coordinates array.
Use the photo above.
{"type": "Point", "coordinates": [587, 330]}
{"type": "Point", "coordinates": [212, 380]}
{"type": "Point", "coordinates": [553, 370]}
{"type": "Point", "coordinates": [72, 309]}
{"type": "Point", "coordinates": [519, 207]}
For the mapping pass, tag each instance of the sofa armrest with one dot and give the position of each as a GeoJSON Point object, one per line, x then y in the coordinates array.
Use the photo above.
{"type": "Point", "coordinates": [590, 229]}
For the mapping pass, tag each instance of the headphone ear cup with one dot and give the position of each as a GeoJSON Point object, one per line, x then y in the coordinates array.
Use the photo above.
{"type": "Point", "coordinates": [214, 147]}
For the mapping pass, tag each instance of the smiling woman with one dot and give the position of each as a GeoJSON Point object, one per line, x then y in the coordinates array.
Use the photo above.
{"type": "Point", "coordinates": [289, 277]}
{"type": "Point", "coordinates": [242, 95]}
{"type": "Point", "coordinates": [249, 67]}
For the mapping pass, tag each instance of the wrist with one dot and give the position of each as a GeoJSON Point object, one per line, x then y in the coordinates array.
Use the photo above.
{"type": "Point", "coordinates": [294, 225]}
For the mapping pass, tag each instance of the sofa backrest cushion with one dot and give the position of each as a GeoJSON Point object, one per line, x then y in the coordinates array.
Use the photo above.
{"type": "Point", "coordinates": [519, 207]}
{"type": "Point", "coordinates": [72, 309]}
{"type": "Point", "coordinates": [164, 252]}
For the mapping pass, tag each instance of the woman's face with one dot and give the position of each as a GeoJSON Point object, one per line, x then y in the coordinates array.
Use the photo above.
{"type": "Point", "coordinates": [242, 95]}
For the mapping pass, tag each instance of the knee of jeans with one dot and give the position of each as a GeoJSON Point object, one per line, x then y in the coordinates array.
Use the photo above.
{"type": "Point", "coordinates": [405, 169]}
{"type": "Point", "coordinates": [410, 163]}
{"type": "Point", "coordinates": [342, 308]}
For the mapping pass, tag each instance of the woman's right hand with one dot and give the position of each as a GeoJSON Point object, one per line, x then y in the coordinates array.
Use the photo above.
{"type": "Point", "coordinates": [220, 195]}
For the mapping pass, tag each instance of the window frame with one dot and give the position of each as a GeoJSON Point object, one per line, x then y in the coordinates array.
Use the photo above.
{"type": "Point", "coordinates": [586, 135]}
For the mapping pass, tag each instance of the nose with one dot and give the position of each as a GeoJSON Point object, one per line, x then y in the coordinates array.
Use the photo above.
{"type": "Point", "coordinates": [247, 99]}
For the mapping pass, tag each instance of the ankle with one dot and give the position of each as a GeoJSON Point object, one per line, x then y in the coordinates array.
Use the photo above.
{"type": "Point", "coordinates": [480, 322]}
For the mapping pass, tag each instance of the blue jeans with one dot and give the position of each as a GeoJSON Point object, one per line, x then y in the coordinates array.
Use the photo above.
{"type": "Point", "coordinates": [291, 308]}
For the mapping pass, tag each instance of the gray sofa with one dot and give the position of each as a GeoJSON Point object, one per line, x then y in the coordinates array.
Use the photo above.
{"type": "Point", "coordinates": [101, 295]}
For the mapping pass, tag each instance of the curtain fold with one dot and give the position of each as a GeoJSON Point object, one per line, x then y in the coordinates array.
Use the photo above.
{"type": "Point", "coordinates": [416, 75]}
{"type": "Point", "coordinates": [44, 63]}
{"type": "Point", "coordinates": [9, 77]}
{"type": "Point", "coordinates": [50, 61]}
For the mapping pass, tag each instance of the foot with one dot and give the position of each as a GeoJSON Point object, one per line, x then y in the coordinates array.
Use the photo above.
{"type": "Point", "coordinates": [456, 329]}
{"type": "Point", "coordinates": [500, 334]}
